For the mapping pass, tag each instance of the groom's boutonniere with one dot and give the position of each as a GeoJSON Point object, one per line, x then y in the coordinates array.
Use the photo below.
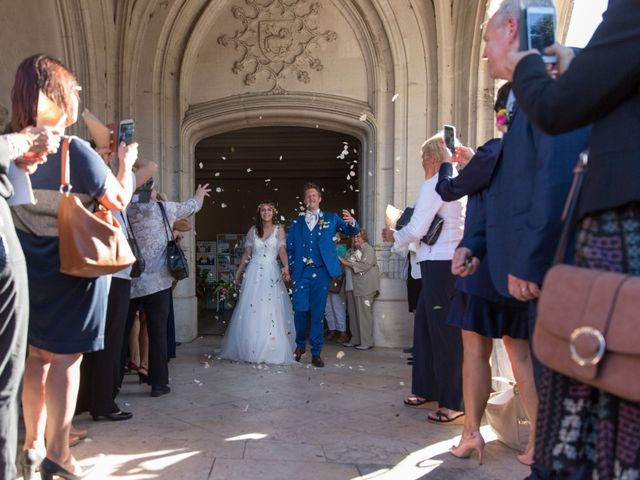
{"type": "Point", "coordinates": [503, 118]}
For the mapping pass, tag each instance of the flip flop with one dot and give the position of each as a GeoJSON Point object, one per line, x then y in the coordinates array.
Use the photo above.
{"type": "Point", "coordinates": [440, 417]}
{"type": "Point", "coordinates": [414, 401]}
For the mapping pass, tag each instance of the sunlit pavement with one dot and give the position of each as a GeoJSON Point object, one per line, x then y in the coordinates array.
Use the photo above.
{"type": "Point", "coordinates": [226, 420]}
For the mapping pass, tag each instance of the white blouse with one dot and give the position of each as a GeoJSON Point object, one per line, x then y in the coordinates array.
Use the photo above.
{"type": "Point", "coordinates": [428, 204]}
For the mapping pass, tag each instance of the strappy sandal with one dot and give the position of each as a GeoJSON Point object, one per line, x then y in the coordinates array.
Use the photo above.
{"type": "Point", "coordinates": [440, 417]}
{"type": "Point", "coordinates": [414, 401]}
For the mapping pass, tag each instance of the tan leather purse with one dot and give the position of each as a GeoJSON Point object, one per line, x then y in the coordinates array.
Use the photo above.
{"type": "Point", "coordinates": [588, 324]}
{"type": "Point", "coordinates": [91, 243]}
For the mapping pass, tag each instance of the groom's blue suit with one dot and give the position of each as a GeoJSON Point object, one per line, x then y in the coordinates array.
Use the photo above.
{"type": "Point", "coordinates": [313, 261]}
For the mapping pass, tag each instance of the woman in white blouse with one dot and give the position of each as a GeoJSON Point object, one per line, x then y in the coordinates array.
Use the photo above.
{"type": "Point", "coordinates": [437, 368]}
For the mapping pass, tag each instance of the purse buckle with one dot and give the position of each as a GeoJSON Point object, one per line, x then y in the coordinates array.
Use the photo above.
{"type": "Point", "coordinates": [590, 332]}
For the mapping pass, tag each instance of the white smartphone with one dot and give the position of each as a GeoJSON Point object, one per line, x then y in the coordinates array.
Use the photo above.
{"type": "Point", "coordinates": [125, 131]}
{"type": "Point", "coordinates": [541, 30]}
{"type": "Point", "coordinates": [450, 138]}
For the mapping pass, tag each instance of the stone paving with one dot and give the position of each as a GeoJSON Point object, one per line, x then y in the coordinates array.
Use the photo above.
{"type": "Point", "coordinates": [227, 420]}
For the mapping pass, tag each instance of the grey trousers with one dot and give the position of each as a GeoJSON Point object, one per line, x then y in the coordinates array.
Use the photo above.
{"type": "Point", "coordinates": [14, 320]}
{"type": "Point", "coordinates": [361, 319]}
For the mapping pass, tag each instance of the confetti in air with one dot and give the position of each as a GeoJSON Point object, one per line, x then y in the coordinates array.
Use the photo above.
{"type": "Point", "coordinates": [395, 97]}
{"type": "Point", "coordinates": [363, 117]}
{"type": "Point", "coordinates": [353, 212]}
{"type": "Point", "coordinates": [280, 157]}
{"type": "Point", "coordinates": [339, 355]}
{"type": "Point", "coordinates": [217, 174]}
{"type": "Point", "coordinates": [223, 205]}
{"type": "Point", "coordinates": [219, 189]}
{"type": "Point", "coordinates": [282, 218]}
{"type": "Point", "coordinates": [200, 165]}
{"type": "Point", "coordinates": [352, 173]}
{"type": "Point", "coordinates": [367, 303]}
{"type": "Point", "coordinates": [370, 174]}
{"type": "Point", "coordinates": [224, 158]}
{"type": "Point", "coordinates": [248, 170]}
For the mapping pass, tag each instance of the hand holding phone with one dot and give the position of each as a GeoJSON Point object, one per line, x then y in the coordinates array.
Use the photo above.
{"type": "Point", "coordinates": [450, 138]}
{"type": "Point", "coordinates": [539, 25]}
{"type": "Point", "coordinates": [125, 131]}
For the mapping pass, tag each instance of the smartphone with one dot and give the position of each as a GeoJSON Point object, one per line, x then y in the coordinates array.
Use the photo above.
{"type": "Point", "coordinates": [540, 30]}
{"type": "Point", "coordinates": [125, 131]}
{"type": "Point", "coordinates": [450, 138]}
{"type": "Point", "coordinates": [141, 196]}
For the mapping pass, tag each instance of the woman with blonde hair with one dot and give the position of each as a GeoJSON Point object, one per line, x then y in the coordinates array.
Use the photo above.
{"type": "Point", "coordinates": [437, 368]}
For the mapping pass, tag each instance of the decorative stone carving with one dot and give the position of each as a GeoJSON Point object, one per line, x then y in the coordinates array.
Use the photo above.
{"type": "Point", "coordinates": [277, 36]}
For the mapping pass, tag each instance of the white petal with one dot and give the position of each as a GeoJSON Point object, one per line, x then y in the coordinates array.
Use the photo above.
{"type": "Point", "coordinates": [248, 170]}
{"type": "Point", "coordinates": [223, 205]}
{"type": "Point", "coordinates": [200, 165]}
{"type": "Point", "coordinates": [217, 174]}
{"type": "Point", "coordinates": [395, 97]}
{"type": "Point", "coordinates": [363, 117]}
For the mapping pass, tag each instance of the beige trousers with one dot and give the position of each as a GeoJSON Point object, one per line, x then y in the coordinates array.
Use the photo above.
{"type": "Point", "coordinates": [360, 319]}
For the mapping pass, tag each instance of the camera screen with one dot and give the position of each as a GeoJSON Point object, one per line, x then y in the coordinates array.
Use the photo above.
{"type": "Point", "coordinates": [450, 139]}
{"type": "Point", "coordinates": [126, 132]}
{"type": "Point", "coordinates": [541, 30]}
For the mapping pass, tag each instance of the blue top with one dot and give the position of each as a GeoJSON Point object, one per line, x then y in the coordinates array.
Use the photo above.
{"type": "Point", "coordinates": [67, 314]}
{"type": "Point", "coordinates": [472, 181]}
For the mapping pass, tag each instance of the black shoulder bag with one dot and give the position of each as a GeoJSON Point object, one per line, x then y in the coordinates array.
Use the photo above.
{"type": "Point", "coordinates": [176, 259]}
{"type": "Point", "coordinates": [431, 237]}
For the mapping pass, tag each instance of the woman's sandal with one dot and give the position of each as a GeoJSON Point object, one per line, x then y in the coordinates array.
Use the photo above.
{"type": "Point", "coordinates": [440, 417]}
{"type": "Point", "coordinates": [414, 401]}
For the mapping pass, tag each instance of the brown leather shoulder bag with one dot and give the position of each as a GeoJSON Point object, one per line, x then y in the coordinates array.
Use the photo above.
{"type": "Point", "coordinates": [91, 243]}
{"type": "Point", "coordinates": [588, 324]}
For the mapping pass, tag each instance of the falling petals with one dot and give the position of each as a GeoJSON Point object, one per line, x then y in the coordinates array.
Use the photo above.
{"type": "Point", "coordinates": [395, 97]}
{"type": "Point", "coordinates": [200, 165]}
{"type": "Point", "coordinates": [363, 117]}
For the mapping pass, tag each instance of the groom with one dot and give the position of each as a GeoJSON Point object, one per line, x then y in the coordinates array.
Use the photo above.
{"type": "Point", "coordinates": [313, 262]}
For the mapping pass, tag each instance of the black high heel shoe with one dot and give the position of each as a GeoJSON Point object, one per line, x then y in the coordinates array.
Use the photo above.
{"type": "Point", "coordinates": [29, 463]}
{"type": "Point", "coordinates": [49, 469]}
{"type": "Point", "coordinates": [143, 375]}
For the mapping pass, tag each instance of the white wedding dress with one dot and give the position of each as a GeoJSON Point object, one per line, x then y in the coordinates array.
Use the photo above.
{"type": "Point", "coordinates": [262, 329]}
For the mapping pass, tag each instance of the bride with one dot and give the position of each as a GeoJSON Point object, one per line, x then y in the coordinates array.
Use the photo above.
{"type": "Point", "coordinates": [261, 327]}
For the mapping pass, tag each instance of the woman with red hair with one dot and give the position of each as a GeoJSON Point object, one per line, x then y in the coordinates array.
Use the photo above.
{"type": "Point", "coordinates": [67, 314]}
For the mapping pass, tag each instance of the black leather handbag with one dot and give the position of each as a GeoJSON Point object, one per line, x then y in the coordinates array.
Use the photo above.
{"type": "Point", "coordinates": [138, 267]}
{"type": "Point", "coordinates": [431, 237]}
{"type": "Point", "coordinates": [176, 259]}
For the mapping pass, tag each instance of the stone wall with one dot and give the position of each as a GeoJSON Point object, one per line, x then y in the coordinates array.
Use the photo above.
{"type": "Point", "coordinates": [387, 72]}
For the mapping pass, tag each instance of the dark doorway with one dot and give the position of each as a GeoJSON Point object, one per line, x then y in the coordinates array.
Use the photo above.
{"type": "Point", "coordinates": [248, 166]}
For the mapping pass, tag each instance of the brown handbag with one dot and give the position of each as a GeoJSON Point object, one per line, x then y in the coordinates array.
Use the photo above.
{"type": "Point", "coordinates": [588, 325]}
{"type": "Point", "coordinates": [91, 243]}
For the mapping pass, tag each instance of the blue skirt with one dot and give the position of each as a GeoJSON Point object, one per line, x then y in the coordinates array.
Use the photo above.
{"type": "Point", "coordinates": [487, 318]}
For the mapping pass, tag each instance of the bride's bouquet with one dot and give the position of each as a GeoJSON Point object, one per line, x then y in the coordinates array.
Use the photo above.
{"type": "Point", "coordinates": [226, 292]}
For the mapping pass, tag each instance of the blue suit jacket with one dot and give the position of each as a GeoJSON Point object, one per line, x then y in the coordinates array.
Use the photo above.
{"type": "Point", "coordinates": [521, 228]}
{"type": "Point", "coordinates": [473, 181]}
{"type": "Point", "coordinates": [331, 224]}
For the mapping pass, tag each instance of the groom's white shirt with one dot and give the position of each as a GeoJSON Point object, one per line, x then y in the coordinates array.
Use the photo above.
{"type": "Point", "coordinates": [311, 218]}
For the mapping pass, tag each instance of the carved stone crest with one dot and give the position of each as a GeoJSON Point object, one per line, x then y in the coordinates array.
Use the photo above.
{"type": "Point", "coordinates": [277, 37]}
